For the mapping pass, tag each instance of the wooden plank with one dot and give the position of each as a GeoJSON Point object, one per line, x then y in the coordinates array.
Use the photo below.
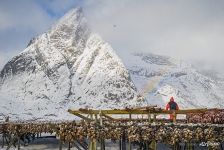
{"type": "Point", "coordinates": [186, 111]}
{"type": "Point", "coordinates": [183, 111]}
{"type": "Point", "coordinates": [145, 107]}
{"type": "Point", "coordinates": [110, 111]}
{"type": "Point", "coordinates": [137, 111]}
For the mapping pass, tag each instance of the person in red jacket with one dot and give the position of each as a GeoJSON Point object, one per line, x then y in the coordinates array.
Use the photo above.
{"type": "Point", "coordinates": [172, 105]}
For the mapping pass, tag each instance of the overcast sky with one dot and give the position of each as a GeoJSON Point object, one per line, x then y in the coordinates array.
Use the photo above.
{"type": "Point", "coordinates": [185, 29]}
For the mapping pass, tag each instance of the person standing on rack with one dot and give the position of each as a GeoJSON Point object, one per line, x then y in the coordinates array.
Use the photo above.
{"type": "Point", "coordinates": [172, 105]}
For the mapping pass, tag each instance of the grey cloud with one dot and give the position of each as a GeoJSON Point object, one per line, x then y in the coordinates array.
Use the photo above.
{"type": "Point", "coordinates": [185, 29]}
{"type": "Point", "coordinates": [59, 7]}
{"type": "Point", "coordinates": [24, 14]}
{"type": "Point", "coordinates": [19, 22]}
{"type": "Point", "coordinates": [191, 30]}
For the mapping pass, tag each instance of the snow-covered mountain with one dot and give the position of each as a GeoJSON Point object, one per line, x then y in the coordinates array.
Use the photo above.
{"type": "Point", "coordinates": [71, 67]}
{"type": "Point", "coordinates": [66, 67]}
{"type": "Point", "coordinates": [159, 77]}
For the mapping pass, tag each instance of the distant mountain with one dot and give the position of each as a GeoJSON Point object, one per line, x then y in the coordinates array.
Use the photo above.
{"type": "Point", "coordinates": [160, 77]}
{"type": "Point", "coordinates": [66, 67]}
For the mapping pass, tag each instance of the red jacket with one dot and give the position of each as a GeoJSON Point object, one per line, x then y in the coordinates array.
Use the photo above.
{"type": "Point", "coordinates": [172, 106]}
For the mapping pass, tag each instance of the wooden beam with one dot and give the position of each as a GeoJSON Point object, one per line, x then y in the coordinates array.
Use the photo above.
{"type": "Point", "coordinates": [115, 111]}
{"type": "Point", "coordinates": [107, 116]}
{"type": "Point", "coordinates": [145, 107]}
{"type": "Point", "coordinates": [186, 111]}
{"type": "Point", "coordinates": [80, 116]}
{"type": "Point", "coordinates": [136, 111]}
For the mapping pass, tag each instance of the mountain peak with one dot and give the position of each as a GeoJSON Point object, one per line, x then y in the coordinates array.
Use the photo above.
{"type": "Point", "coordinates": [75, 15]}
{"type": "Point", "coordinates": [73, 23]}
{"type": "Point", "coordinates": [66, 67]}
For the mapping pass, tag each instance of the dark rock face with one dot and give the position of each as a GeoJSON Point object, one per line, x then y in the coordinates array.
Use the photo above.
{"type": "Point", "coordinates": [17, 65]}
{"type": "Point", "coordinates": [154, 59]}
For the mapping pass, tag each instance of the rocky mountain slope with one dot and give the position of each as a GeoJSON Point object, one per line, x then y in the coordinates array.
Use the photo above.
{"type": "Point", "coordinates": [159, 77]}
{"type": "Point", "coordinates": [66, 67]}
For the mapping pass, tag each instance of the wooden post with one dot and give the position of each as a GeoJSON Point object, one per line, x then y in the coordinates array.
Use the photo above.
{"type": "Point", "coordinates": [18, 139]}
{"type": "Point", "coordinates": [69, 146]}
{"type": "Point", "coordinates": [146, 145]}
{"type": "Point", "coordinates": [174, 117]}
{"type": "Point", "coordinates": [18, 136]}
{"type": "Point", "coordinates": [190, 146]}
{"type": "Point", "coordinates": [129, 142]}
{"type": "Point", "coordinates": [153, 145]}
{"type": "Point", "coordinates": [187, 118]}
{"type": "Point", "coordinates": [120, 144]}
{"type": "Point", "coordinates": [11, 142]}
{"type": "Point", "coordinates": [149, 117]}
{"type": "Point", "coordinates": [60, 144]}
{"type": "Point", "coordinates": [176, 146]}
{"type": "Point", "coordinates": [101, 120]}
{"type": "Point", "coordinates": [129, 145]}
{"type": "Point", "coordinates": [221, 146]}
{"type": "Point", "coordinates": [154, 117]}
{"type": "Point", "coordinates": [3, 139]}
{"type": "Point", "coordinates": [102, 141]}
{"type": "Point", "coordinates": [92, 145]}
{"type": "Point", "coordinates": [123, 140]}
{"type": "Point", "coordinates": [102, 144]}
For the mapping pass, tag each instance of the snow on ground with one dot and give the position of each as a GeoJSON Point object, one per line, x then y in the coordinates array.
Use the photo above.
{"type": "Point", "coordinates": [53, 144]}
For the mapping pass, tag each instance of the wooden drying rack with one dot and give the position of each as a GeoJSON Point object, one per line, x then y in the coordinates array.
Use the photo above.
{"type": "Point", "coordinates": [150, 111]}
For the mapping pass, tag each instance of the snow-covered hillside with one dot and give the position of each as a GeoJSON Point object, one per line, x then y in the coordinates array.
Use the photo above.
{"type": "Point", "coordinates": [71, 67]}
{"type": "Point", "coordinates": [160, 77]}
{"type": "Point", "coordinates": [66, 67]}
